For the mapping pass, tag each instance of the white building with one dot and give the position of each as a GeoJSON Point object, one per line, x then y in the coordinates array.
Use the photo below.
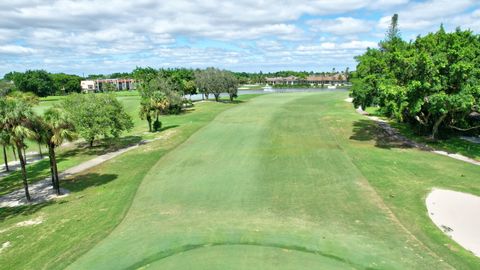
{"type": "Point", "coordinates": [99, 85]}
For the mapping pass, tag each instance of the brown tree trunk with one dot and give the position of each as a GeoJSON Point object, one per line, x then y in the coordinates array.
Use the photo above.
{"type": "Point", "coordinates": [51, 166]}
{"type": "Point", "coordinates": [14, 153]}
{"type": "Point", "coordinates": [24, 172]}
{"type": "Point", "coordinates": [5, 158]}
{"type": "Point", "coordinates": [40, 150]}
{"type": "Point", "coordinates": [55, 170]}
{"type": "Point", "coordinates": [24, 155]}
{"type": "Point", "coordinates": [437, 125]}
{"type": "Point", "coordinates": [91, 142]}
{"type": "Point", "coordinates": [149, 120]}
{"type": "Point", "coordinates": [216, 97]}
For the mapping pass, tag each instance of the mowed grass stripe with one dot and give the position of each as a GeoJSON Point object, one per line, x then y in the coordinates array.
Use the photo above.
{"type": "Point", "coordinates": [276, 172]}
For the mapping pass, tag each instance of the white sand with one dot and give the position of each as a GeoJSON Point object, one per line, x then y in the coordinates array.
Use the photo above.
{"type": "Point", "coordinates": [457, 214]}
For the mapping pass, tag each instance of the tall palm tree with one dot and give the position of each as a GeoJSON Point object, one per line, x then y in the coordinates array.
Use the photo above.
{"type": "Point", "coordinates": [57, 127]}
{"type": "Point", "coordinates": [5, 141]}
{"type": "Point", "coordinates": [16, 117]}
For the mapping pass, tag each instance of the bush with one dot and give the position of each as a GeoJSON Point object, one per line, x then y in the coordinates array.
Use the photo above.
{"type": "Point", "coordinates": [157, 125]}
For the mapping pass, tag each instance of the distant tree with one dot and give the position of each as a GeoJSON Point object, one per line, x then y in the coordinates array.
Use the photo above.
{"type": "Point", "coordinates": [189, 87]}
{"type": "Point", "coordinates": [201, 81]}
{"type": "Point", "coordinates": [214, 81]}
{"type": "Point", "coordinates": [38, 82]}
{"type": "Point", "coordinates": [347, 74]}
{"type": "Point", "coordinates": [230, 84]}
{"type": "Point", "coordinates": [393, 31]}
{"type": "Point", "coordinates": [97, 115]}
{"type": "Point", "coordinates": [66, 83]}
{"type": "Point", "coordinates": [16, 118]}
{"type": "Point", "coordinates": [6, 87]}
{"type": "Point", "coordinates": [144, 76]}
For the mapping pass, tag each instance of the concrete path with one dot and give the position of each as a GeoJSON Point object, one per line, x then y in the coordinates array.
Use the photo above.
{"type": "Point", "coordinates": [32, 157]}
{"type": "Point", "coordinates": [42, 191]}
{"type": "Point", "coordinates": [394, 133]}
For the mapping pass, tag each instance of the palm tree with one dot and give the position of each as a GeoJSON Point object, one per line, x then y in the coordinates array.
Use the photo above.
{"type": "Point", "coordinates": [147, 112]}
{"type": "Point", "coordinates": [56, 128]}
{"type": "Point", "coordinates": [16, 119]}
{"type": "Point", "coordinates": [5, 141]}
{"type": "Point", "coordinates": [159, 103]}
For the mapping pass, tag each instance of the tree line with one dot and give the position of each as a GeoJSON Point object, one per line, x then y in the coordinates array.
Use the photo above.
{"type": "Point", "coordinates": [43, 83]}
{"type": "Point", "coordinates": [86, 116]}
{"type": "Point", "coordinates": [431, 82]}
{"type": "Point", "coordinates": [162, 91]}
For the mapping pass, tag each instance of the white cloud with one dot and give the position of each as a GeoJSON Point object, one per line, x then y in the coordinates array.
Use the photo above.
{"type": "Point", "coordinates": [427, 15]}
{"type": "Point", "coordinates": [15, 50]}
{"type": "Point", "coordinates": [113, 35]}
{"type": "Point", "coordinates": [341, 26]}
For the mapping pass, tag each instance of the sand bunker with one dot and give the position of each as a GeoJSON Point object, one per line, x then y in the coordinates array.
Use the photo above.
{"type": "Point", "coordinates": [457, 214]}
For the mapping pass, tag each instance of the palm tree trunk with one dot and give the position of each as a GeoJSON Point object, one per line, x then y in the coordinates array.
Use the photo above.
{"type": "Point", "coordinates": [149, 120]}
{"type": "Point", "coordinates": [5, 158]}
{"type": "Point", "coordinates": [24, 172]}
{"type": "Point", "coordinates": [51, 166]}
{"type": "Point", "coordinates": [24, 155]}
{"type": "Point", "coordinates": [55, 170]}
{"type": "Point", "coordinates": [14, 154]}
{"type": "Point", "coordinates": [40, 150]}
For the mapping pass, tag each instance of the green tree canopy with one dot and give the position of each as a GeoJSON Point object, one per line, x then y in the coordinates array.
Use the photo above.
{"type": "Point", "coordinates": [431, 82]}
{"type": "Point", "coordinates": [97, 115]}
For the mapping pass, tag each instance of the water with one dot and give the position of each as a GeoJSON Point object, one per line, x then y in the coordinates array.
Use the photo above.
{"type": "Point", "coordinates": [269, 91]}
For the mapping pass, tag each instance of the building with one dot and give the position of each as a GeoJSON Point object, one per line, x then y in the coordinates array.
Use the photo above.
{"type": "Point", "coordinates": [325, 79]}
{"type": "Point", "coordinates": [291, 80]}
{"type": "Point", "coordinates": [101, 85]}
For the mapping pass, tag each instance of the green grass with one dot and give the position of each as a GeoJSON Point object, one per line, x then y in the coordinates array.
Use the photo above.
{"type": "Point", "coordinates": [451, 144]}
{"type": "Point", "coordinates": [69, 156]}
{"type": "Point", "coordinates": [301, 177]}
{"type": "Point", "coordinates": [100, 198]}
{"type": "Point", "coordinates": [284, 181]}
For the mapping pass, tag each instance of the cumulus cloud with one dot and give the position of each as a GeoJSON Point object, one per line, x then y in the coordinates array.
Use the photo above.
{"type": "Point", "coordinates": [341, 26]}
{"type": "Point", "coordinates": [429, 14]}
{"type": "Point", "coordinates": [15, 50]}
{"type": "Point", "coordinates": [101, 36]}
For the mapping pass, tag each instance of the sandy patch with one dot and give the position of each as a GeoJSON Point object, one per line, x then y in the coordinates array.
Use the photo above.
{"type": "Point", "coordinates": [457, 214]}
{"type": "Point", "coordinates": [30, 222]}
{"type": "Point", "coordinates": [5, 246]}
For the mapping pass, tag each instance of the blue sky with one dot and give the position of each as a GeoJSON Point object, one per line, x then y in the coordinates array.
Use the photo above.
{"type": "Point", "coordinates": [100, 36]}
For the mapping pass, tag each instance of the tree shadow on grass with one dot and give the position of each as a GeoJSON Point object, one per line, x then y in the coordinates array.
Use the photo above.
{"type": "Point", "coordinates": [83, 181]}
{"type": "Point", "coordinates": [103, 146]}
{"type": "Point", "coordinates": [168, 127]}
{"type": "Point", "coordinates": [368, 130]}
{"type": "Point", "coordinates": [41, 169]}
{"type": "Point", "coordinates": [24, 210]}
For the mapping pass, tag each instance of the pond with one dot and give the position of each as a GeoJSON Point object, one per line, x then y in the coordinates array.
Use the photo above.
{"type": "Point", "coordinates": [269, 91]}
